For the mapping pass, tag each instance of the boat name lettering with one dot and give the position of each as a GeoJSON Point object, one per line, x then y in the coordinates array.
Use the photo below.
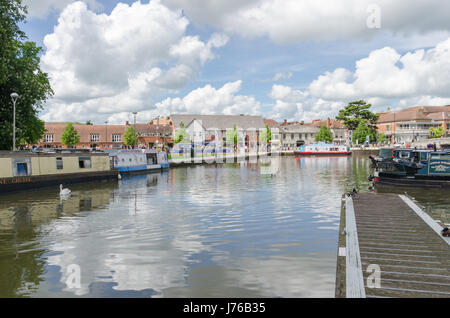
{"type": "Point", "coordinates": [14, 180]}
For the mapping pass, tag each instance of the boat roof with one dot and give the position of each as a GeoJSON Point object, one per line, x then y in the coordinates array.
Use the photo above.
{"type": "Point", "coordinates": [320, 143]}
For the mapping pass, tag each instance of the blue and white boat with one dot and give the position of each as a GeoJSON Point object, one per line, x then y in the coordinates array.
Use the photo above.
{"type": "Point", "coordinates": [138, 161]}
{"type": "Point", "coordinates": [323, 149]}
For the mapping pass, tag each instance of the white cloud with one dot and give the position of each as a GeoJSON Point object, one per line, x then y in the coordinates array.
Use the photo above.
{"type": "Point", "coordinates": [291, 21]}
{"type": "Point", "coordinates": [41, 8]}
{"type": "Point", "coordinates": [209, 100]}
{"type": "Point", "coordinates": [387, 74]}
{"type": "Point", "coordinates": [281, 75]}
{"type": "Point", "coordinates": [104, 64]}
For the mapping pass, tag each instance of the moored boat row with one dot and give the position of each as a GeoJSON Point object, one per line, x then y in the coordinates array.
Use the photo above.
{"type": "Point", "coordinates": [24, 170]}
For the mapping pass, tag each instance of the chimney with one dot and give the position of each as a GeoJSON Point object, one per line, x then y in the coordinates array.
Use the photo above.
{"type": "Point", "coordinates": [302, 122]}
{"type": "Point", "coordinates": [328, 123]}
{"type": "Point", "coordinates": [127, 123]}
{"type": "Point", "coordinates": [285, 122]}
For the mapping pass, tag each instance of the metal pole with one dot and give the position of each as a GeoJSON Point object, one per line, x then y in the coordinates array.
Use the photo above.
{"type": "Point", "coordinates": [14, 125]}
{"type": "Point", "coordinates": [14, 97]}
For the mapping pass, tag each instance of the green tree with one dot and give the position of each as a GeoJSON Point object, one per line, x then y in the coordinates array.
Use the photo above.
{"type": "Point", "coordinates": [89, 123]}
{"type": "Point", "coordinates": [181, 135]}
{"type": "Point", "coordinates": [128, 137]}
{"type": "Point", "coordinates": [266, 135]}
{"type": "Point", "coordinates": [355, 112]}
{"type": "Point", "coordinates": [381, 137]}
{"type": "Point", "coordinates": [361, 132]}
{"type": "Point", "coordinates": [324, 134]}
{"type": "Point", "coordinates": [232, 137]}
{"type": "Point", "coordinates": [20, 72]}
{"type": "Point", "coordinates": [70, 136]}
{"type": "Point", "coordinates": [436, 132]}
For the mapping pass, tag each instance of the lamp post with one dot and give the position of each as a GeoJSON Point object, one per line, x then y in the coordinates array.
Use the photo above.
{"type": "Point", "coordinates": [134, 113]}
{"type": "Point", "coordinates": [106, 136]}
{"type": "Point", "coordinates": [14, 97]}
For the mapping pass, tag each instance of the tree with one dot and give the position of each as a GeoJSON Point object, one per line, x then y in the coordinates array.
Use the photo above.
{"type": "Point", "coordinates": [20, 72]}
{"type": "Point", "coordinates": [232, 137]}
{"type": "Point", "coordinates": [89, 123]}
{"type": "Point", "coordinates": [181, 135]}
{"type": "Point", "coordinates": [70, 136]}
{"type": "Point", "coordinates": [355, 112]}
{"type": "Point", "coordinates": [437, 132]}
{"type": "Point", "coordinates": [381, 137]}
{"type": "Point", "coordinates": [361, 132]}
{"type": "Point", "coordinates": [128, 137]}
{"type": "Point", "coordinates": [266, 135]}
{"type": "Point", "coordinates": [324, 134]}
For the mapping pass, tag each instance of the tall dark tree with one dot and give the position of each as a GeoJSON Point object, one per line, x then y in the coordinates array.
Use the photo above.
{"type": "Point", "coordinates": [20, 73]}
{"type": "Point", "coordinates": [355, 112]}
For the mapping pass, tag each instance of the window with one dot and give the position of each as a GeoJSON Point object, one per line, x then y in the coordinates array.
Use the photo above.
{"type": "Point", "coordinates": [48, 138]}
{"type": "Point", "coordinates": [117, 138]}
{"type": "Point", "coordinates": [59, 163]}
{"type": "Point", "coordinates": [94, 137]}
{"type": "Point", "coordinates": [84, 162]}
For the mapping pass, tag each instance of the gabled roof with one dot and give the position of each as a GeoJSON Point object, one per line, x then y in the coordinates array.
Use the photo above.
{"type": "Point", "coordinates": [221, 122]}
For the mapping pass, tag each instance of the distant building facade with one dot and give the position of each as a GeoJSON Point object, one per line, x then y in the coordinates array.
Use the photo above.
{"type": "Point", "coordinates": [212, 128]}
{"type": "Point", "coordinates": [413, 123]}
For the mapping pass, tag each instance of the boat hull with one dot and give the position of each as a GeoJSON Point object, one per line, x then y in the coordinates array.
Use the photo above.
{"type": "Point", "coordinates": [17, 184]}
{"type": "Point", "coordinates": [337, 153]}
{"type": "Point", "coordinates": [412, 181]}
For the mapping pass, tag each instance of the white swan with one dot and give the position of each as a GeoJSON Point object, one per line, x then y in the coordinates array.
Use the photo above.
{"type": "Point", "coordinates": [63, 192]}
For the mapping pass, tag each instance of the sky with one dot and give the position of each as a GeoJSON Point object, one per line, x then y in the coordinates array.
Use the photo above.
{"type": "Point", "coordinates": [281, 59]}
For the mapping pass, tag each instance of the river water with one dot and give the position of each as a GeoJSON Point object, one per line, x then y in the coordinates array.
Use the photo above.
{"type": "Point", "coordinates": [250, 229]}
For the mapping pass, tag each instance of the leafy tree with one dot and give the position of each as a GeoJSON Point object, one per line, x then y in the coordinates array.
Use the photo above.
{"type": "Point", "coordinates": [232, 137]}
{"type": "Point", "coordinates": [381, 137]}
{"type": "Point", "coordinates": [266, 135]}
{"type": "Point", "coordinates": [324, 134]}
{"type": "Point", "coordinates": [70, 136]}
{"type": "Point", "coordinates": [128, 137]}
{"type": "Point", "coordinates": [181, 135]}
{"type": "Point", "coordinates": [437, 132]}
{"type": "Point", "coordinates": [20, 73]}
{"type": "Point", "coordinates": [356, 112]}
{"type": "Point", "coordinates": [89, 123]}
{"type": "Point", "coordinates": [361, 132]}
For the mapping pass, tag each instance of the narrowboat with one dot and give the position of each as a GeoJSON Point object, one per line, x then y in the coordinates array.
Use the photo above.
{"type": "Point", "coordinates": [383, 154]}
{"type": "Point", "coordinates": [25, 170]}
{"type": "Point", "coordinates": [138, 161]}
{"type": "Point", "coordinates": [323, 149]}
{"type": "Point", "coordinates": [412, 167]}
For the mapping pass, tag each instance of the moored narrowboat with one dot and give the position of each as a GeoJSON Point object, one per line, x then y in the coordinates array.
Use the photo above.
{"type": "Point", "coordinates": [128, 162]}
{"type": "Point", "coordinates": [24, 170]}
{"type": "Point", "coordinates": [411, 167]}
{"type": "Point", "coordinates": [323, 149]}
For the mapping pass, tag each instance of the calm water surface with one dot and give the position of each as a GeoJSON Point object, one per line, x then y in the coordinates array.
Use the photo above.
{"type": "Point", "coordinates": [207, 231]}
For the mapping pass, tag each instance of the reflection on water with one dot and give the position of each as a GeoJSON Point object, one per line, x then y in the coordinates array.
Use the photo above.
{"type": "Point", "coordinates": [247, 229]}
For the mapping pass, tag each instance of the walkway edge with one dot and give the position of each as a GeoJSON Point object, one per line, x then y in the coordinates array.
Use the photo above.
{"type": "Point", "coordinates": [425, 217]}
{"type": "Point", "coordinates": [354, 275]}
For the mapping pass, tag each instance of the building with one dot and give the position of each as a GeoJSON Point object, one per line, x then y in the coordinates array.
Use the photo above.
{"type": "Point", "coordinates": [91, 136]}
{"type": "Point", "coordinates": [296, 135]}
{"type": "Point", "coordinates": [274, 127]}
{"type": "Point", "coordinates": [413, 123]}
{"type": "Point", "coordinates": [108, 136]}
{"type": "Point", "coordinates": [212, 128]}
{"type": "Point", "coordinates": [337, 129]}
{"type": "Point", "coordinates": [153, 135]}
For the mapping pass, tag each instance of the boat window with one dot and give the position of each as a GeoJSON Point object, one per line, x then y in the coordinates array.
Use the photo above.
{"type": "Point", "coordinates": [84, 162]}
{"type": "Point", "coordinates": [22, 169]}
{"type": "Point", "coordinates": [59, 163]}
{"type": "Point", "coordinates": [424, 156]}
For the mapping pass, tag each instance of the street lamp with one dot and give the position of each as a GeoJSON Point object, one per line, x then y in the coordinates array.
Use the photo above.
{"type": "Point", "coordinates": [134, 113]}
{"type": "Point", "coordinates": [14, 97]}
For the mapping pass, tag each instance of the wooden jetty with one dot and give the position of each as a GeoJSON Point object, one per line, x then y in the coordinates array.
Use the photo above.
{"type": "Point", "coordinates": [389, 247]}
